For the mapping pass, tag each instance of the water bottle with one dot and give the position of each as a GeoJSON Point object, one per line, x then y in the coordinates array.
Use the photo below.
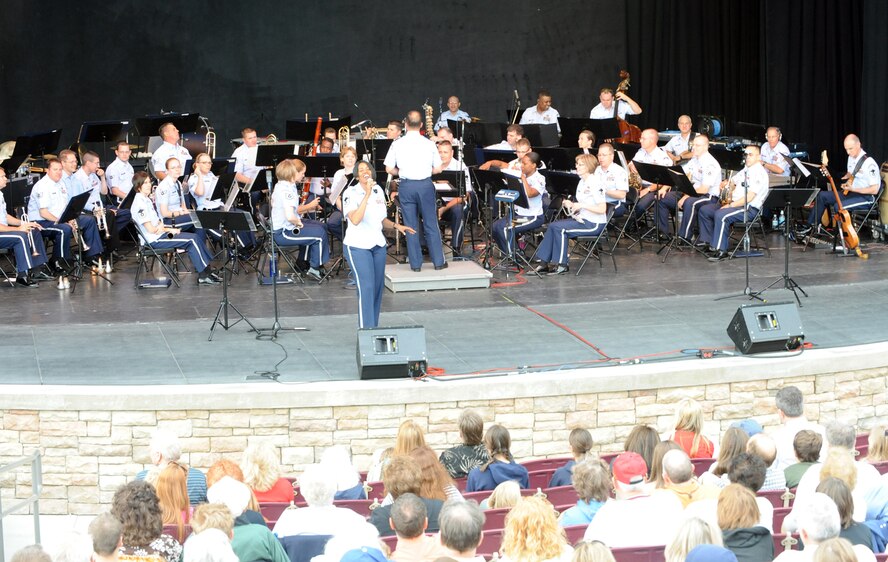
{"type": "Point", "coordinates": [775, 221]}
{"type": "Point", "coordinates": [782, 219]}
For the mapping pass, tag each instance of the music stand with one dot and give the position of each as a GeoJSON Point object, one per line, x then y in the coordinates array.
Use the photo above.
{"type": "Point", "coordinates": [788, 199]}
{"type": "Point", "coordinates": [558, 158]}
{"type": "Point", "coordinates": [747, 290]}
{"type": "Point", "coordinates": [604, 129]}
{"type": "Point", "coordinates": [571, 128]}
{"type": "Point", "coordinates": [659, 175]}
{"type": "Point", "coordinates": [269, 155]}
{"type": "Point", "coordinates": [481, 134]}
{"type": "Point", "coordinates": [376, 148]}
{"type": "Point", "coordinates": [541, 134]}
{"type": "Point", "coordinates": [103, 132]}
{"type": "Point", "coordinates": [728, 159]}
{"type": "Point", "coordinates": [561, 186]}
{"type": "Point", "coordinates": [223, 187]}
{"type": "Point", "coordinates": [31, 144]}
{"type": "Point", "coordinates": [127, 202]}
{"type": "Point", "coordinates": [304, 129]}
{"type": "Point", "coordinates": [226, 223]}
{"type": "Point", "coordinates": [518, 197]}
{"type": "Point", "coordinates": [497, 154]}
{"type": "Point", "coordinates": [681, 184]}
{"type": "Point", "coordinates": [72, 211]}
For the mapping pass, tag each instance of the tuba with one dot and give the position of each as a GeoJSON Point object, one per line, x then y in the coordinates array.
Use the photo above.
{"type": "Point", "coordinates": [270, 139]}
{"type": "Point", "coordinates": [343, 135]}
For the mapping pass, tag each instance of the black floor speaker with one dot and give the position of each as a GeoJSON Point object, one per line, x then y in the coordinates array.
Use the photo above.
{"type": "Point", "coordinates": [760, 328]}
{"type": "Point", "coordinates": [392, 353]}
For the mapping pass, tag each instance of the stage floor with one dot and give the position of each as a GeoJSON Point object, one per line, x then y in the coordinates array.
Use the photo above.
{"type": "Point", "coordinates": [648, 311]}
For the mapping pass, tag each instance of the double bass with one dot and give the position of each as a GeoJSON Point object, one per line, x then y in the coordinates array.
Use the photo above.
{"type": "Point", "coordinates": [628, 131]}
{"type": "Point", "coordinates": [849, 234]}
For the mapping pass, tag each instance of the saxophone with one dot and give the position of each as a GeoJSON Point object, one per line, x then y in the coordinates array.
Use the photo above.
{"type": "Point", "coordinates": [429, 124]}
{"type": "Point", "coordinates": [725, 195]}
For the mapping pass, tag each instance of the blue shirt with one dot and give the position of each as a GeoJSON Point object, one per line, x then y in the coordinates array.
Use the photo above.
{"type": "Point", "coordinates": [196, 483]}
{"type": "Point", "coordinates": [496, 473]}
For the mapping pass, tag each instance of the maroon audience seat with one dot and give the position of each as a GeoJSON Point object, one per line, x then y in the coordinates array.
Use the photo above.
{"type": "Point", "coordinates": [882, 467]}
{"type": "Point", "coordinates": [608, 457]}
{"type": "Point", "coordinates": [882, 557]}
{"type": "Point", "coordinates": [540, 478]}
{"type": "Point", "coordinates": [496, 518]}
{"type": "Point", "coordinates": [862, 439]}
{"type": "Point", "coordinates": [478, 496]}
{"type": "Point", "coordinates": [271, 511]}
{"type": "Point", "coordinates": [545, 464]}
{"type": "Point", "coordinates": [391, 541]}
{"type": "Point", "coordinates": [780, 514]}
{"type": "Point", "coordinates": [490, 542]}
{"type": "Point", "coordinates": [862, 451]}
{"type": "Point", "coordinates": [375, 490]}
{"type": "Point", "coordinates": [173, 531]}
{"type": "Point", "coordinates": [783, 542]}
{"type": "Point", "coordinates": [561, 495]}
{"type": "Point", "coordinates": [575, 533]}
{"type": "Point", "coordinates": [460, 483]}
{"type": "Point", "coordinates": [361, 507]}
{"type": "Point", "coordinates": [778, 498]}
{"type": "Point", "coordinates": [701, 465]}
{"type": "Point", "coordinates": [640, 554]}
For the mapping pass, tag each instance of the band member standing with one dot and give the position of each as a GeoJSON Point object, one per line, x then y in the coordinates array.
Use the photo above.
{"type": "Point", "coordinates": [363, 204]}
{"type": "Point", "coordinates": [861, 179]}
{"type": "Point", "coordinates": [705, 174]}
{"type": "Point", "coordinates": [286, 220]}
{"type": "Point", "coordinates": [542, 113]}
{"type": "Point", "coordinates": [605, 107]}
{"type": "Point", "coordinates": [414, 159]}
{"type": "Point", "coordinates": [528, 218]}
{"type": "Point", "coordinates": [160, 236]}
{"type": "Point", "coordinates": [614, 178]}
{"type": "Point", "coordinates": [455, 209]}
{"type": "Point", "coordinates": [649, 153]}
{"type": "Point", "coordinates": [169, 149]}
{"type": "Point", "coordinates": [245, 168]}
{"type": "Point", "coordinates": [715, 220]}
{"type": "Point", "coordinates": [453, 113]}
{"type": "Point", "coordinates": [14, 235]}
{"type": "Point", "coordinates": [588, 218]}
{"type": "Point", "coordinates": [679, 147]}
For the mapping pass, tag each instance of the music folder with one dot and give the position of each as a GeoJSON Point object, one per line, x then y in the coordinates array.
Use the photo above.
{"type": "Point", "coordinates": [793, 198]}
{"type": "Point", "coordinates": [447, 183]}
{"type": "Point", "coordinates": [226, 220]}
{"type": "Point", "coordinates": [74, 208]}
{"type": "Point", "coordinates": [270, 154]}
{"type": "Point", "coordinates": [514, 183]}
{"type": "Point", "coordinates": [223, 186]}
{"type": "Point", "coordinates": [561, 184]}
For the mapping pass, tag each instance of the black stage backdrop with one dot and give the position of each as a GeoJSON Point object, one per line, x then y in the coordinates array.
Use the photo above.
{"type": "Point", "coordinates": [815, 67]}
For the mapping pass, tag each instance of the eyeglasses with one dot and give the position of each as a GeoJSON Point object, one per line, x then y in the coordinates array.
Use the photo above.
{"type": "Point", "coordinates": [204, 161]}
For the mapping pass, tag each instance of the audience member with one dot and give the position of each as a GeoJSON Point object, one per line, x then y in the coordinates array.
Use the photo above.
{"type": "Point", "coordinates": [163, 449]}
{"type": "Point", "coordinates": [591, 480]}
{"type": "Point", "coordinates": [878, 444]}
{"type": "Point", "coordinates": [33, 553]}
{"type": "Point", "coordinates": [403, 476]}
{"type": "Point", "coordinates": [643, 439]}
{"type": "Point", "coordinates": [225, 467]}
{"type": "Point", "coordinates": [213, 526]}
{"type": "Point", "coordinates": [262, 473]}
{"type": "Point", "coordinates": [409, 520]}
{"type": "Point", "coordinates": [580, 441]}
{"type": "Point", "coordinates": [806, 445]}
{"type": "Point", "coordinates": [655, 475]}
{"type": "Point", "coordinates": [738, 518]}
{"type": "Point", "coordinates": [835, 550]}
{"type": "Point", "coordinates": [74, 547]}
{"type": "Point", "coordinates": [436, 482]}
{"type": "Point", "coordinates": [500, 467]}
{"type": "Point", "coordinates": [471, 453]}
{"type": "Point", "coordinates": [365, 540]}
{"type": "Point", "coordinates": [506, 494]}
{"type": "Point", "coordinates": [791, 412]}
{"type": "Point", "coordinates": [532, 534]}
{"type": "Point", "coordinates": [321, 517]}
{"type": "Point", "coordinates": [107, 534]}
{"type": "Point", "coordinates": [137, 508]}
{"type": "Point", "coordinates": [592, 551]}
{"type": "Point", "coordinates": [692, 532]}
{"type": "Point", "coordinates": [336, 462]}
{"type": "Point", "coordinates": [749, 470]}
{"type": "Point", "coordinates": [689, 430]}
{"type": "Point", "coordinates": [839, 491]}
{"type": "Point", "coordinates": [679, 479]}
{"type": "Point", "coordinates": [172, 492]}
{"type": "Point", "coordinates": [461, 525]}
{"type": "Point", "coordinates": [749, 426]}
{"type": "Point", "coordinates": [250, 541]}
{"type": "Point", "coordinates": [710, 553]}
{"type": "Point", "coordinates": [733, 443]}
{"type": "Point", "coordinates": [410, 436]}
{"type": "Point", "coordinates": [819, 521]}
{"type": "Point", "coordinates": [618, 522]}
{"type": "Point", "coordinates": [762, 445]}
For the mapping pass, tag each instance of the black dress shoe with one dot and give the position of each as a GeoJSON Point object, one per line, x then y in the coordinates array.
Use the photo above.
{"type": "Point", "coordinates": [718, 256]}
{"type": "Point", "coordinates": [543, 268]}
{"type": "Point", "coordinates": [442, 266]}
{"type": "Point", "coordinates": [701, 244]}
{"type": "Point", "coordinates": [560, 270]}
{"type": "Point", "coordinates": [25, 282]}
{"type": "Point", "coordinates": [207, 280]}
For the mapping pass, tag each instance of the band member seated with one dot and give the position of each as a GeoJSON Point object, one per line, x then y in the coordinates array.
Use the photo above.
{"type": "Point", "coordinates": [522, 148]}
{"type": "Point", "coordinates": [363, 203]}
{"type": "Point", "coordinates": [394, 129]}
{"type": "Point", "coordinates": [201, 185]}
{"type": "Point", "coordinates": [586, 141]}
{"type": "Point", "coordinates": [773, 151]}
{"type": "Point", "coordinates": [605, 107]}
{"type": "Point", "coordinates": [245, 168]}
{"type": "Point", "coordinates": [861, 180]}
{"type": "Point", "coordinates": [286, 218]}
{"type": "Point", "coordinates": [454, 209]}
{"type": "Point", "coordinates": [704, 172]}
{"type": "Point", "coordinates": [49, 197]}
{"type": "Point", "coordinates": [23, 237]}
{"type": "Point", "coordinates": [161, 237]}
{"type": "Point", "coordinates": [320, 186]}
{"type": "Point", "coordinates": [169, 149]}
{"type": "Point", "coordinates": [614, 178]}
{"type": "Point", "coordinates": [588, 218]}
{"type": "Point", "coordinates": [529, 218]}
{"type": "Point", "coordinates": [715, 220]}
{"type": "Point", "coordinates": [649, 153]}
{"type": "Point", "coordinates": [679, 147]}
{"type": "Point", "coordinates": [453, 113]}
{"type": "Point", "coordinates": [514, 133]}
{"type": "Point", "coordinates": [90, 177]}
{"type": "Point", "coordinates": [542, 113]}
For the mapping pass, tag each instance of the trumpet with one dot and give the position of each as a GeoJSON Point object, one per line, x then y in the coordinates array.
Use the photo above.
{"type": "Point", "coordinates": [344, 133]}
{"type": "Point", "coordinates": [101, 218]}
{"type": "Point", "coordinates": [34, 251]}
{"type": "Point", "coordinates": [75, 229]}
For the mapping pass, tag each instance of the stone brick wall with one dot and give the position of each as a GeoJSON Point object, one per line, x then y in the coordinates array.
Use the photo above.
{"type": "Point", "coordinates": [88, 453]}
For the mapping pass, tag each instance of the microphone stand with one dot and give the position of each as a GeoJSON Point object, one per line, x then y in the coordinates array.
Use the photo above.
{"type": "Point", "coordinates": [272, 333]}
{"type": "Point", "coordinates": [747, 291]}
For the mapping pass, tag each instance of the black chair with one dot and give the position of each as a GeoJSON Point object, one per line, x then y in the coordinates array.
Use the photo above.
{"type": "Point", "coordinates": [5, 253]}
{"type": "Point", "coordinates": [750, 228]}
{"type": "Point", "coordinates": [593, 246]}
{"type": "Point", "coordinates": [168, 258]}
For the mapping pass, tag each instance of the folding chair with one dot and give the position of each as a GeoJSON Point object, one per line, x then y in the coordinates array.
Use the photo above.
{"type": "Point", "coordinates": [862, 216]}
{"type": "Point", "coordinates": [162, 255]}
{"type": "Point", "coordinates": [750, 228]}
{"type": "Point", "coordinates": [6, 252]}
{"type": "Point", "coordinates": [627, 218]}
{"type": "Point", "coordinates": [593, 245]}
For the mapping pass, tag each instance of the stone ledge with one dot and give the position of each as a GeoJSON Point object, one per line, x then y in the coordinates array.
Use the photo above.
{"type": "Point", "coordinates": [610, 379]}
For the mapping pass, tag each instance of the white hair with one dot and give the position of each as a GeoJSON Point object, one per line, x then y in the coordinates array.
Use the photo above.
{"type": "Point", "coordinates": [317, 486]}
{"type": "Point", "coordinates": [166, 443]}
{"type": "Point", "coordinates": [365, 535]}
{"type": "Point", "coordinates": [337, 463]}
{"type": "Point", "coordinates": [820, 518]}
{"type": "Point", "coordinates": [210, 545]}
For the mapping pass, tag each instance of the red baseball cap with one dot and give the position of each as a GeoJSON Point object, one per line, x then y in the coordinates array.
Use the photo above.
{"type": "Point", "coordinates": [629, 468]}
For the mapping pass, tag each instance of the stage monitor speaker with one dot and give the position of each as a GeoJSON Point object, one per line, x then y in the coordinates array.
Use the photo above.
{"type": "Point", "coordinates": [760, 328]}
{"type": "Point", "coordinates": [392, 353]}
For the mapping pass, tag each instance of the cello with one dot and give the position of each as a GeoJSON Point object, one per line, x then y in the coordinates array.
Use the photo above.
{"type": "Point", "coordinates": [628, 131]}
{"type": "Point", "coordinates": [850, 240]}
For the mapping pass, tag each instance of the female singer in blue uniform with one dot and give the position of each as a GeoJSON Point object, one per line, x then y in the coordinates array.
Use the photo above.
{"type": "Point", "coordinates": [363, 204]}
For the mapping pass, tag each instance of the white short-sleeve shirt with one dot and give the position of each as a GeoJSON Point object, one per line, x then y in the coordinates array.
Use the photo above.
{"type": "Point", "coordinates": [615, 178]}
{"type": "Point", "coordinates": [414, 156]}
{"type": "Point", "coordinates": [285, 196]}
{"type": "Point", "coordinates": [367, 233]}
{"type": "Point", "coordinates": [757, 182]}
{"type": "Point", "coordinates": [772, 156]}
{"type": "Point", "coordinates": [704, 170]}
